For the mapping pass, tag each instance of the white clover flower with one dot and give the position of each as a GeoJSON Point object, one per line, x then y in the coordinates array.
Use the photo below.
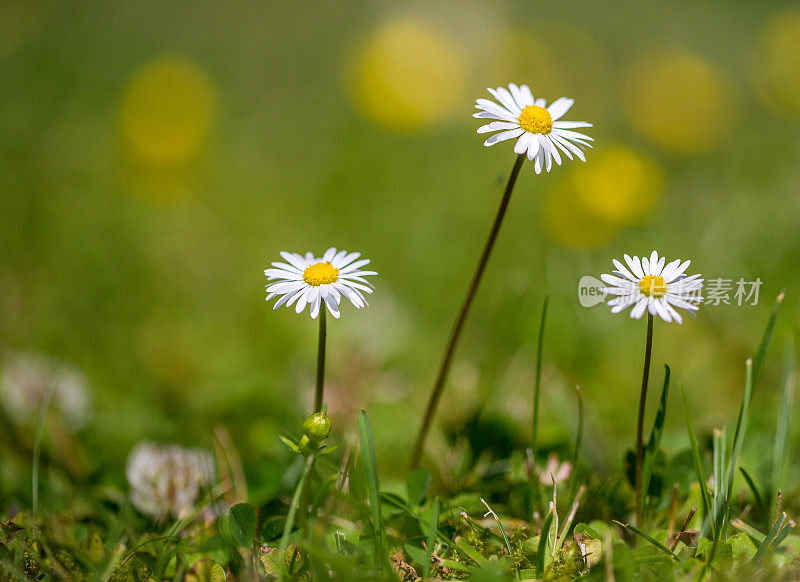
{"type": "Point", "coordinates": [25, 380]}
{"type": "Point", "coordinates": [538, 128]}
{"type": "Point", "coordinates": [168, 480]}
{"type": "Point", "coordinates": [651, 286]}
{"type": "Point", "coordinates": [308, 280]}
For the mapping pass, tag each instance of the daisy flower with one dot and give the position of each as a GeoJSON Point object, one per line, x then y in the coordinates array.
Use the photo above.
{"type": "Point", "coordinates": [650, 285]}
{"type": "Point", "coordinates": [537, 127]}
{"type": "Point", "coordinates": [309, 280]}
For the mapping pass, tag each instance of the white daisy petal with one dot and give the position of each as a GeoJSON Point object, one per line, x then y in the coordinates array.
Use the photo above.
{"type": "Point", "coordinates": [574, 135]}
{"type": "Point", "coordinates": [638, 311]}
{"type": "Point", "coordinates": [533, 146]}
{"type": "Point", "coordinates": [646, 286]}
{"type": "Point", "coordinates": [539, 132]}
{"type": "Point", "coordinates": [624, 272]}
{"type": "Point", "coordinates": [518, 95]}
{"type": "Point", "coordinates": [354, 266]}
{"type": "Point", "coordinates": [522, 144]}
{"type": "Point", "coordinates": [333, 306]}
{"type": "Point", "coordinates": [503, 95]}
{"type": "Point", "coordinates": [571, 124]}
{"type": "Point", "coordinates": [554, 151]}
{"type": "Point", "coordinates": [635, 265]}
{"type": "Point", "coordinates": [495, 109]}
{"type": "Point", "coordinates": [669, 270]}
{"type": "Point", "coordinates": [295, 260]}
{"type": "Point", "coordinates": [654, 264]}
{"type": "Point", "coordinates": [559, 107]}
{"type": "Point", "coordinates": [680, 270]}
{"type": "Point", "coordinates": [544, 145]}
{"type": "Point", "coordinates": [488, 115]}
{"type": "Point", "coordinates": [503, 135]}
{"type": "Point", "coordinates": [527, 95]}
{"type": "Point", "coordinates": [661, 310]}
{"type": "Point", "coordinates": [345, 260]}
{"type": "Point", "coordinates": [324, 279]}
{"type": "Point", "coordinates": [497, 126]}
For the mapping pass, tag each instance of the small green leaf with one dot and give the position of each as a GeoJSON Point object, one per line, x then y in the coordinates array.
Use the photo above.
{"type": "Point", "coordinates": [743, 548]}
{"type": "Point", "coordinates": [586, 530]}
{"type": "Point", "coordinates": [217, 573]}
{"type": "Point", "coordinates": [417, 553]}
{"type": "Point", "coordinates": [239, 523]}
{"type": "Point", "coordinates": [417, 484]}
{"type": "Point", "coordinates": [291, 444]}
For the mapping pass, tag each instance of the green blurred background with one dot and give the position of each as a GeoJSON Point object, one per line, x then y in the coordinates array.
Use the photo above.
{"type": "Point", "coordinates": [156, 156]}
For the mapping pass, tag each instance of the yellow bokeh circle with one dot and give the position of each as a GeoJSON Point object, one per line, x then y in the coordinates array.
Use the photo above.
{"type": "Point", "coordinates": [167, 111]}
{"type": "Point", "coordinates": [617, 187]}
{"type": "Point", "coordinates": [776, 63]}
{"type": "Point", "coordinates": [679, 102]}
{"type": "Point", "coordinates": [409, 74]}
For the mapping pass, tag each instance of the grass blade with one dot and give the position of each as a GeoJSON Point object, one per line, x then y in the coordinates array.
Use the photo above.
{"type": "Point", "coordinates": [756, 535]}
{"type": "Point", "coordinates": [698, 463]}
{"type": "Point", "coordinates": [578, 437]}
{"type": "Point", "coordinates": [761, 354]}
{"type": "Point", "coordinates": [741, 430]}
{"type": "Point", "coordinates": [780, 456]}
{"type": "Point", "coordinates": [782, 527]}
{"type": "Point", "coordinates": [433, 528]}
{"type": "Point", "coordinates": [762, 508]}
{"type": "Point", "coordinates": [533, 484]}
{"type": "Point", "coordinates": [719, 479]}
{"type": "Point", "coordinates": [654, 442]}
{"type": "Point", "coordinates": [368, 458]}
{"type": "Point", "coordinates": [308, 465]}
{"type": "Point", "coordinates": [541, 552]}
{"type": "Point", "coordinates": [648, 538]}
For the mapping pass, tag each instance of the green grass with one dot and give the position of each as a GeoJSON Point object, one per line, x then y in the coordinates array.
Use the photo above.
{"type": "Point", "coordinates": [340, 524]}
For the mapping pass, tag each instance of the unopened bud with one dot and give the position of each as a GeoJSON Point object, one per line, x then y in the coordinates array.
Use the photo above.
{"type": "Point", "coordinates": [317, 427]}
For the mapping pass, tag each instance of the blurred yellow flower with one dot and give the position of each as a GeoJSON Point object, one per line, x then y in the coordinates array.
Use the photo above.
{"type": "Point", "coordinates": [776, 65]}
{"type": "Point", "coordinates": [569, 222]}
{"type": "Point", "coordinates": [167, 111]}
{"type": "Point", "coordinates": [679, 102]}
{"type": "Point", "coordinates": [619, 186]}
{"type": "Point", "coordinates": [409, 74]}
{"type": "Point", "coordinates": [586, 207]}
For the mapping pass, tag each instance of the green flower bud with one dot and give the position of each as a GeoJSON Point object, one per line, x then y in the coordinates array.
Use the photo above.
{"type": "Point", "coordinates": [317, 427]}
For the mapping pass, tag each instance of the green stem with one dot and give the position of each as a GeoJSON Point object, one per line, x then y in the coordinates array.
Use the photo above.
{"type": "Point", "coordinates": [534, 481]}
{"type": "Point", "coordinates": [455, 334]}
{"type": "Point", "coordinates": [320, 360]}
{"type": "Point", "coordinates": [640, 425]}
{"type": "Point", "coordinates": [290, 518]}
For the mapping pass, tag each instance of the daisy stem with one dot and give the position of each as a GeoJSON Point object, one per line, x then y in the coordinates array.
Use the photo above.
{"type": "Point", "coordinates": [455, 334]}
{"type": "Point", "coordinates": [640, 425]}
{"type": "Point", "coordinates": [537, 382]}
{"type": "Point", "coordinates": [320, 361]}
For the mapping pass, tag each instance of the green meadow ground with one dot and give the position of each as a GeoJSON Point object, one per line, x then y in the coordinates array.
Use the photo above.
{"type": "Point", "coordinates": [155, 158]}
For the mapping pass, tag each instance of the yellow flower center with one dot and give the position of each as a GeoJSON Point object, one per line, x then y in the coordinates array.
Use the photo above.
{"type": "Point", "coordinates": [535, 119]}
{"type": "Point", "coordinates": [653, 286]}
{"type": "Point", "coordinates": [320, 274]}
